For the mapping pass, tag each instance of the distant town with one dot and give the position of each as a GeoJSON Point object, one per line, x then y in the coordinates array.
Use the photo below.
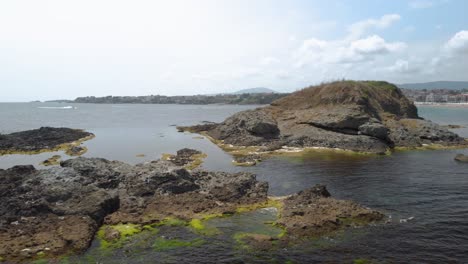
{"type": "Point", "coordinates": [437, 95]}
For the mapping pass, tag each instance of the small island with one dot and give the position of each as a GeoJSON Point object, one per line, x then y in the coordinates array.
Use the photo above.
{"type": "Point", "coordinates": [360, 116]}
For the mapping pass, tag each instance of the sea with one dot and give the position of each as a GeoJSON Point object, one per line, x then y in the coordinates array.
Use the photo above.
{"type": "Point", "coordinates": [423, 193]}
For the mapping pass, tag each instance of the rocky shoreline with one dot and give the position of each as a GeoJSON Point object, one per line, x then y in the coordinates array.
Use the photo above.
{"type": "Point", "coordinates": [366, 117]}
{"type": "Point", "coordinates": [43, 213]}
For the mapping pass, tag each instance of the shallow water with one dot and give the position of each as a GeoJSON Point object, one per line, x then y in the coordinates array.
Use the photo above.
{"type": "Point", "coordinates": [426, 185]}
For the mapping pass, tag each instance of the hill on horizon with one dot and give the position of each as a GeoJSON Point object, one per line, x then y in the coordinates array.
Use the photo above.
{"type": "Point", "coordinates": [452, 85]}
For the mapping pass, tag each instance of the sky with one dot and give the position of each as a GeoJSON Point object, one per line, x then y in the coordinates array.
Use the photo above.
{"type": "Point", "coordinates": [54, 49]}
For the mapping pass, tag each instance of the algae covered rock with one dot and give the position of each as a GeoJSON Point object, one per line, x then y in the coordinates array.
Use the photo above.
{"type": "Point", "coordinates": [313, 212]}
{"type": "Point", "coordinates": [56, 211]}
{"type": "Point", "coordinates": [43, 139]}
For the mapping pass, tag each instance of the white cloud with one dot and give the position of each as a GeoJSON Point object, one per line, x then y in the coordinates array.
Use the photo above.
{"type": "Point", "coordinates": [458, 44]}
{"type": "Point", "coordinates": [344, 51]}
{"type": "Point", "coordinates": [421, 4]}
{"type": "Point", "coordinates": [374, 45]}
{"type": "Point", "coordinates": [358, 29]}
{"type": "Point", "coordinates": [403, 66]}
{"type": "Point", "coordinates": [269, 61]}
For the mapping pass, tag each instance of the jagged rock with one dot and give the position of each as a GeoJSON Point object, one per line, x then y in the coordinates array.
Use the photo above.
{"type": "Point", "coordinates": [58, 210]}
{"type": "Point", "coordinates": [61, 208]}
{"type": "Point", "coordinates": [364, 116]}
{"type": "Point", "coordinates": [312, 212]}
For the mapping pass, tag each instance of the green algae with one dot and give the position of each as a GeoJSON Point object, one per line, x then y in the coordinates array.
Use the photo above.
{"type": "Point", "coordinates": [362, 261]}
{"type": "Point", "coordinates": [125, 231]}
{"type": "Point", "coordinates": [197, 161]}
{"type": "Point", "coordinates": [171, 221]}
{"type": "Point", "coordinates": [40, 261]}
{"type": "Point", "coordinates": [271, 202]}
{"type": "Point", "coordinates": [199, 227]}
{"type": "Point", "coordinates": [162, 244]}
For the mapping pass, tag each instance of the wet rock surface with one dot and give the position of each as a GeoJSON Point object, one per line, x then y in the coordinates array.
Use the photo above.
{"type": "Point", "coordinates": [56, 211]}
{"type": "Point", "coordinates": [44, 138]}
{"type": "Point", "coordinates": [461, 158]}
{"type": "Point", "coordinates": [313, 212]}
{"type": "Point", "coordinates": [364, 116]}
{"type": "Point", "coordinates": [247, 160]}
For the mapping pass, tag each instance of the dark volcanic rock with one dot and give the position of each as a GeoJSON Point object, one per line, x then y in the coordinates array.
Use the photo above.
{"type": "Point", "coordinates": [44, 138]}
{"type": "Point", "coordinates": [461, 158]}
{"type": "Point", "coordinates": [365, 116]}
{"type": "Point", "coordinates": [58, 210]}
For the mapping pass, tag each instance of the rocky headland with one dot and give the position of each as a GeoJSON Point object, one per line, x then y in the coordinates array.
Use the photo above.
{"type": "Point", "coordinates": [58, 211]}
{"type": "Point", "coordinates": [360, 116]}
{"type": "Point", "coordinates": [44, 139]}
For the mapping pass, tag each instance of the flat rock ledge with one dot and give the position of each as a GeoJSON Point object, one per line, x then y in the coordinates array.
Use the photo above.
{"type": "Point", "coordinates": [43, 213]}
{"type": "Point", "coordinates": [45, 139]}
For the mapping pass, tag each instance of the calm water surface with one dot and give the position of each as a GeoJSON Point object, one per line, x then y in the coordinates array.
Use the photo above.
{"type": "Point", "coordinates": [427, 186]}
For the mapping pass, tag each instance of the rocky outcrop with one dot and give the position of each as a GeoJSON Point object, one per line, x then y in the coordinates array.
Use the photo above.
{"type": "Point", "coordinates": [44, 139]}
{"type": "Point", "coordinates": [58, 210]}
{"type": "Point", "coordinates": [312, 212]}
{"type": "Point", "coordinates": [365, 116]}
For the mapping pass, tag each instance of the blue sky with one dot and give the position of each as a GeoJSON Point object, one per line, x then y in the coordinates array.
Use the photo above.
{"type": "Point", "coordinates": [63, 49]}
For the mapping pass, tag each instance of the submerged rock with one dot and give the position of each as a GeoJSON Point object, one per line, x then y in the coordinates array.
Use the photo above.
{"type": "Point", "coordinates": [44, 139]}
{"type": "Point", "coordinates": [54, 160]}
{"type": "Point", "coordinates": [188, 158]}
{"type": "Point", "coordinates": [364, 116]}
{"type": "Point", "coordinates": [461, 158]}
{"type": "Point", "coordinates": [247, 160]}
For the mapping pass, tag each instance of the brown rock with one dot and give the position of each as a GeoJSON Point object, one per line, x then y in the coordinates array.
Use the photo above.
{"type": "Point", "coordinates": [363, 116]}
{"type": "Point", "coordinates": [313, 212]}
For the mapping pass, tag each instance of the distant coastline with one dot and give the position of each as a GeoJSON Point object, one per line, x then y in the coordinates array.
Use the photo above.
{"type": "Point", "coordinates": [241, 99]}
